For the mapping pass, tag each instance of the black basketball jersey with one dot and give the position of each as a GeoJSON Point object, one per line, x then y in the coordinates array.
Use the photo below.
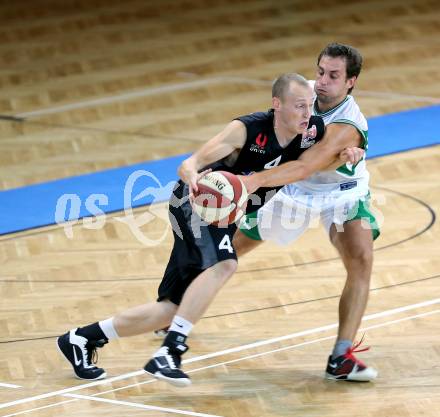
{"type": "Point", "coordinates": [198, 248]}
{"type": "Point", "coordinates": [263, 151]}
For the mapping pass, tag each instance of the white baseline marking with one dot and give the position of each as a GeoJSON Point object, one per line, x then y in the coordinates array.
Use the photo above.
{"type": "Point", "coordinates": [220, 353]}
{"type": "Point", "coordinates": [136, 405]}
{"type": "Point", "coordinates": [5, 385]}
{"type": "Point", "coordinates": [93, 396]}
{"type": "Point", "coordinates": [194, 84]}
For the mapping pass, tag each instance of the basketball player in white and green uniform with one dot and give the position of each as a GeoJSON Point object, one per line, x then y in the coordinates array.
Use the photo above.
{"type": "Point", "coordinates": [335, 196]}
{"type": "Point", "coordinates": [339, 197]}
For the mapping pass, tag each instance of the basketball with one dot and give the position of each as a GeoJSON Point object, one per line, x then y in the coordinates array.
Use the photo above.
{"type": "Point", "coordinates": [221, 198]}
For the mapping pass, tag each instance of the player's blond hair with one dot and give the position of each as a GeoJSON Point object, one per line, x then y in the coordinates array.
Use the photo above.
{"type": "Point", "coordinates": [282, 83]}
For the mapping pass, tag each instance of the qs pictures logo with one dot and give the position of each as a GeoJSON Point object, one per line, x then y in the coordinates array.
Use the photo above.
{"type": "Point", "coordinates": [141, 191]}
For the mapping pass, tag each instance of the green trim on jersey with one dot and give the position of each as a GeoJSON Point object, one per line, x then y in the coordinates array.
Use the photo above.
{"type": "Point", "coordinates": [344, 169]}
{"type": "Point", "coordinates": [364, 133]}
{"type": "Point", "coordinates": [249, 226]}
{"type": "Point", "coordinates": [328, 112]}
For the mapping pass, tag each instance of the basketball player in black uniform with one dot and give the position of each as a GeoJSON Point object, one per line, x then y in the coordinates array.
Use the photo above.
{"type": "Point", "coordinates": [203, 257]}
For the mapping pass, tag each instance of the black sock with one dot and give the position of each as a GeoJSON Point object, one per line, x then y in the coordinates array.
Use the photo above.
{"type": "Point", "coordinates": [91, 332]}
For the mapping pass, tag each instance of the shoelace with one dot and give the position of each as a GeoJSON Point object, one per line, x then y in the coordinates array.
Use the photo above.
{"type": "Point", "coordinates": [92, 351]}
{"type": "Point", "coordinates": [172, 357]}
{"type": "Point", "coordinates": [354, 349]}
{"type": "Point", "coordinates": [171, 361]}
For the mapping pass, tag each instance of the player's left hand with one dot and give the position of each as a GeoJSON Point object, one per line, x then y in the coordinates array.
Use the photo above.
{"type": "Point", "coordinates": [351, 155]}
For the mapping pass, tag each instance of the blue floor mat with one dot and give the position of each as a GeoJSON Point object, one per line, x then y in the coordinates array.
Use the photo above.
{"type": "Point", "coordinates": [152, 181]}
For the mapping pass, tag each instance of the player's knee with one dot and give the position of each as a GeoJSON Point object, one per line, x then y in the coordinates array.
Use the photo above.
{"type": "Point", "coordinates": [356, 249]}
{"type": "Point", "coordinates": [359, 256]}
{"type": "Point", "coordinates": [226, 268]}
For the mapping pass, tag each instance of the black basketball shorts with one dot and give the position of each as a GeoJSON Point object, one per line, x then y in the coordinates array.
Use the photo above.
{"type": "Point", "coordinates": [197, 246]}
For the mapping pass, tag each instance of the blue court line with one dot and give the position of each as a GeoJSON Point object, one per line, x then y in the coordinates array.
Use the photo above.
{"type": "Point", "coordinates": [152, 181]}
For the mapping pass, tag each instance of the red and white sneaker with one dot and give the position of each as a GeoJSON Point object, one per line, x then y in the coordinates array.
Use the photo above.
{"type": "Point", "coordinates": [348, 368]}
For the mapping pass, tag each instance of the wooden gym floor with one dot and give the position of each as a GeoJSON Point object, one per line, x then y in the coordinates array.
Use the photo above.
{"type": "Point", "coordinates": [106, 84]}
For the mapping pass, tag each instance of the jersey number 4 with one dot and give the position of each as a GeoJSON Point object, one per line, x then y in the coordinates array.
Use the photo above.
{"type": "Point", "coordinates": [273, 164]}
{"type": "Point", "coordinates": [225, 244]}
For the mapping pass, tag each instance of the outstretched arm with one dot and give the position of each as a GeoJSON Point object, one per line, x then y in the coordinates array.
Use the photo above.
{"type": "Point", "coordinates": [232, 137]}
{"type": "Point", "coordinates": [319, 157]}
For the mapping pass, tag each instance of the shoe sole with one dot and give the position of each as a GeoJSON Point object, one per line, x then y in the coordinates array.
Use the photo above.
{"type": "Point", "coordinates": [102, 376]}
{"type": "Point", "coordinates": [358, 377]}
{"type": "Point", "coordinates": [181, 383]}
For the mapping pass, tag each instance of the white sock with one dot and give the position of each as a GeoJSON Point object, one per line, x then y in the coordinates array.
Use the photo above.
{"type": "Point", "coordinates": [108, 329]}
{"type": "Point", "coordinates": [180, 325]}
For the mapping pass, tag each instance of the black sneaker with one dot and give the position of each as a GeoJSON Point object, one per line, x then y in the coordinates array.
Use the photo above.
{"type": "Point", "coordinates": [348, 368]}
{"type": "Point", "coordinates": [81, 353]}
{"type": "Point", "coordinates": [165, 365]}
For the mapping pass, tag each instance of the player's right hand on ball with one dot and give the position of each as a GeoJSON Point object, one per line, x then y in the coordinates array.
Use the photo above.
{"type": "Point", "coordinates": [188, 173]}
{"type": "Point", "coordinates": [193, 184]}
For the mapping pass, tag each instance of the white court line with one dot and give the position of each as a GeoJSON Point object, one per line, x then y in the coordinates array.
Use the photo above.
{"type": "Point", "coordinates": [144, 406]}
{"type": "Point", "coordinates": [72, 389]}
{"type": "Point", "coordinates": [93, 396]}
{"type": "Point", "coordinates": [311, 331]}
{"type": "Point", "coordinates": [220, 353]}
{"type": "Point", "coordinates": [141, 93]}
{"type": "Point", "coordinates": [390, 95]}
{"type": "Point", "coordinates": [187, 85]}
{"type": "Point", "coordinates": [5, 385]}
{"type": "Point", "coordinates": [256, 355]}
{"type": "Point", "coordinates": [30, 410]}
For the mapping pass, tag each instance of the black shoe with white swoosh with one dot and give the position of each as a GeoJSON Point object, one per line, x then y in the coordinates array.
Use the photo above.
{"type": "Point", "coordinates": [165, 364]}
{"type": "Point", "coordinates": [81, 352]}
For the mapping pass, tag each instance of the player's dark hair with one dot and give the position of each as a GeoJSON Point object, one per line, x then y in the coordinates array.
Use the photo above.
{"type": "Point", "coordinates": [282, 83]}
{"type": "Point", "coordinates": [353, 58]}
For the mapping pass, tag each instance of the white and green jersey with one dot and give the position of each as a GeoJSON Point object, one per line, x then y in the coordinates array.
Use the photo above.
{"type": "Point", "coordinates": [346, 176]}
{"type": "Point", "coordinates": [335, 197]}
